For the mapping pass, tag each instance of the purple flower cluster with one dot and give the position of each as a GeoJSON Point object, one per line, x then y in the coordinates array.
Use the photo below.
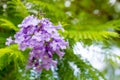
{"type": "Point", "coordinates": [42, 37]}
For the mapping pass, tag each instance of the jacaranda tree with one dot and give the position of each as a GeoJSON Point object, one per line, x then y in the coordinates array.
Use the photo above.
{"type": "Point", "coordinates": [37, 37]}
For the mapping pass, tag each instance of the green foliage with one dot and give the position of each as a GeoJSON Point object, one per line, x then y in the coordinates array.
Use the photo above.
{"type": "Point", "coordinates": [16, 11]}
{"type": "Point", "coordinates": [9, 54]}
{"type": "Point", "coordinates": [3, 37]}
{"type": "Point", "coordinates": [86, 70]}
{"type": "Point", "coordinates": [4, 23]}
{"type": "Point", "coordinates": [81, 25]}
{"type": "Point", "coordinates": [92, 35]}
{"type": "Point", "coordinates": [18, 8]}
{"type": "Point", "coordinates": [44, 8]}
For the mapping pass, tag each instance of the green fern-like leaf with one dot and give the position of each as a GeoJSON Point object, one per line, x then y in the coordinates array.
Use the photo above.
{"type": "Point", "coordinates": [16, 11]}
{"type": "Point", "coordinates": [6, 24]}
{"type": "Point", "coordinates": [92, 35]}
{"type": "Point", "coordinates": [18, 8]}
{"type": "Point", "coordinates": [110, 24]}
{"type": "Point", "coordinates": [9, 54]}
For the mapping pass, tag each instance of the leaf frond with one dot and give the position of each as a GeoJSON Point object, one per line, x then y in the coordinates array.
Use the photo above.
{"type": "Point", "coordinates": [92, 35]}
{"type": "Point", "coordinates": [6, 24]}
{"type": "Point", "coordinates": [9, 54]}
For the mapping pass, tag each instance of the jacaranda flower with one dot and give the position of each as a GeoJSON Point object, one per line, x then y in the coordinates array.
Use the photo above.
{"type": "Point", "coordinates": [43, 39]}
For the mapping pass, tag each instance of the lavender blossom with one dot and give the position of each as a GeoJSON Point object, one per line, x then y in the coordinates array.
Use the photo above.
{"type": "Point", "coordinates": [42, 37]}
{"type": "Point", "coordinates": [9, 41]}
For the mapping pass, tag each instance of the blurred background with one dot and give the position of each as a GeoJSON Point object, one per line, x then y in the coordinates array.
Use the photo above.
{"type": "Point", "coordinates": [92, 25]}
